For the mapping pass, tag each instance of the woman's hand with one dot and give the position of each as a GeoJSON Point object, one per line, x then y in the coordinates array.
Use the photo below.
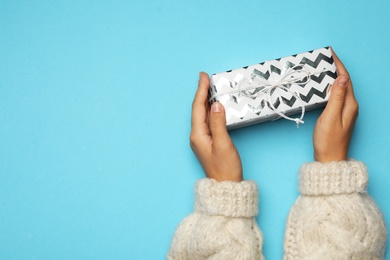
{"type": "Point", "coordinates": [334, 127]}
{"type": "Point", "coordinates": [209, 138]}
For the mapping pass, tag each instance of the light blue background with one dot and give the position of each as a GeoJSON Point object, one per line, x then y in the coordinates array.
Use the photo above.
{"type": "Point", "coordinates": [95, 103]}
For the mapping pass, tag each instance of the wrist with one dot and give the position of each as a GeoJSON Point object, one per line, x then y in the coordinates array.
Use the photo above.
{"type": "Point", "coordinates": [332, 157]}
{"type": "Point", "coordinates": [220, 178]}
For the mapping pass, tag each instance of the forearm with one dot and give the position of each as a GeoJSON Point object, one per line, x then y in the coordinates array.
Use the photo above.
{"type": "Point", "coordinates": [223, 224]}
{"type": "Point", "coordinates": [334, 218]}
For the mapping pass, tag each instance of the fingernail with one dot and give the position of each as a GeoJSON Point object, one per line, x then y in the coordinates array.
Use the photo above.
{"type": "Point", "coordinates": [200, 75]}
{"type": "Point", "coordinates": [216, 107]}
{"type": "Point", "coordinates": [343, 80]}
{"type": "Point", "coordinates": [329, 88]}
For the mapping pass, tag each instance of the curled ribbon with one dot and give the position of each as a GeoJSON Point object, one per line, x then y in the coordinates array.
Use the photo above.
{"type": "Point", "coordinates": [259, 85]}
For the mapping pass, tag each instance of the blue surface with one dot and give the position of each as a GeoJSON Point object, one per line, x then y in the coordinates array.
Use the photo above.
{"type": "Point", "coordinates": [95, 102]}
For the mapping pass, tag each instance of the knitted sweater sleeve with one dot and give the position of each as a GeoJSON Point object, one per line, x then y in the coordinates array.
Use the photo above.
{"type": "Point", "coordinates": [223, 224]}
{"type": "Point", "coordinates": [334, 217]}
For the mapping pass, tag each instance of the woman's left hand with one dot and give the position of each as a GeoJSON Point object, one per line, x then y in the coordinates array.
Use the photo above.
{"type": "Point", "coordinates": [209, 138]}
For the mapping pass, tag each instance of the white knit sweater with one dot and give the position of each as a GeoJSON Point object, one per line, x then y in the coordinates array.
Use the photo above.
{"type": "Point", "coordinates": [333, 218]}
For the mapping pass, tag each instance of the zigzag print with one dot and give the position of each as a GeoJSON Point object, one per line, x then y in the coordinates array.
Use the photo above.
{"type": "Point", "coordinates": [312, 92]}
{"type": "Point", "coordinates": [290, 102]}
{"type": "Point", "coordinates": [304, 60]}
{"type": "Point", "coordinates": [319, 58]}
{"type": "Point", "coordinates": [320, 77]}
{"type": "Point", "coordinates": [315, 78]}
{"type": "Point", "coordinates": [275, 70]}
{"type": "Point", "coordinates": [241, 110]}
{"type": "Point", "coordinates": [261, 74]}
{"type": "Point", "coordinates": [289, 64]}
{"type": "Point", "coordinates": [257, 110]}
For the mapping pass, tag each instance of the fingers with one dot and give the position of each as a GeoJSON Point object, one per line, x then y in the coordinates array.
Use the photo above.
{"type": "Point", "coordinates": [336, 101]}
{"type": "Point", "coordinates": [339, 90]}
{"type": "Point", "coordinates": [350, 110]}
{"type": "Point", "coordinates": [351, 107]}
{"type": "Point", "coordinates": [217, 124]}
{"type": "Point", "coordinates": [200, 103]}
{"type": "Point", "coordinates": [341, 70]}
{"type": "Point", "coordinates": [342, 106]}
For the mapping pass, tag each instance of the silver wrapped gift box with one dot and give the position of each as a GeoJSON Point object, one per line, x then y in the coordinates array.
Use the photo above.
{"type": "Point", "coordinates": [274, 89]}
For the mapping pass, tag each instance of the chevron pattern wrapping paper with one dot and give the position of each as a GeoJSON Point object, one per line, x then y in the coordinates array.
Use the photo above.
{"type": "Point", "coordinates": [309, 90]}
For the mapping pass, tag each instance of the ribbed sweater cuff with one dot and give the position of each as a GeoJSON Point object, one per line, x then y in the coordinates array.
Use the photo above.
{"type": "Point", "coordinates": [332, 178]}
{"type": "Point", "coordinates": [226, 198]}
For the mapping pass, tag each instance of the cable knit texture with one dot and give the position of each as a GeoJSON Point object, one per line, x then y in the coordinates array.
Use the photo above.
{"type": "Point", "coordinates": [332, 178]}
{"type": "Point", "coordinates": [229, 199]}
{"type": "Point", "coordinates": [223, 225]}
{"type": "Point", "coordinates": [334, 218]}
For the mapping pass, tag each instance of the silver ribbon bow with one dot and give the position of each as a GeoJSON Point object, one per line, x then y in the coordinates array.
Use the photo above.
{"type": "Point", "coordinates": [258, 85]}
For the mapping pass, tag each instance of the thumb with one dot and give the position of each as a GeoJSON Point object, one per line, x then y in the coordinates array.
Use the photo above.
{"type": "Point", "coordinates": [217, 123]}
{"type": "Point", "coordinates": [337, 96]}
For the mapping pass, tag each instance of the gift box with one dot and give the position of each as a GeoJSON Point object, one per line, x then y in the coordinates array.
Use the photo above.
{"type": "Point", "coordinates": [274, 89]}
